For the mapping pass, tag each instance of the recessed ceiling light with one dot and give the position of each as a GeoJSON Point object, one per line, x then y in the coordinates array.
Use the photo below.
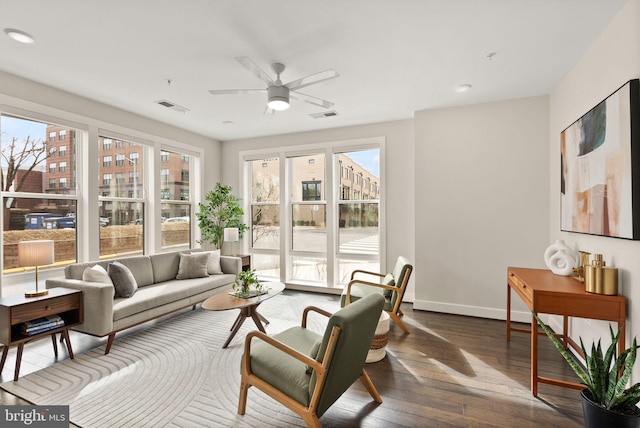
{"type": "Point", "coordinates": [19, 35]}
{"type": "Point", "coordinates": [464, 87]}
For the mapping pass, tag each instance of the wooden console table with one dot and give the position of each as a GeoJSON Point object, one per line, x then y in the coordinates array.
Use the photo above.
{"type": "Point", "coordinates": [547, 293]}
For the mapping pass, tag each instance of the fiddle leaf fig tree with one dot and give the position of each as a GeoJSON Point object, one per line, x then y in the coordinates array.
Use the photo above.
{"type": "Point", "coordinates": [222, 209]}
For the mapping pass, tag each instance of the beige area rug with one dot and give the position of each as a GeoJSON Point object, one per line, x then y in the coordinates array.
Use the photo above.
{"type": "Point", "coordinates": [172, 374]}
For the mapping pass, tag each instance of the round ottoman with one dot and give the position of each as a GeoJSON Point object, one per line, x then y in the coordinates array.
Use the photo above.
{"type": "Point", "coordinates": [379, 343]}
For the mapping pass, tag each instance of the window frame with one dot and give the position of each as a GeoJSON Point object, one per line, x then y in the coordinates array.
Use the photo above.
{"type": "Point", "coordinates": [332, 192]}
{"type": "Point", "coordinates": [81, 149]}
{"type": "Point", "coordinates": [72, 196]}
{"type": "Point", "coordinates": [179, 204]}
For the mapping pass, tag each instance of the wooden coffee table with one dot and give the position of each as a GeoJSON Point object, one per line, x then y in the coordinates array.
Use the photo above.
{"type": "Point", "coordinates": [248, 307]}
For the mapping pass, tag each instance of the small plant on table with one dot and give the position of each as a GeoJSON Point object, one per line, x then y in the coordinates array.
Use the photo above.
{"type": "Point", "coordinates": [244, 281]}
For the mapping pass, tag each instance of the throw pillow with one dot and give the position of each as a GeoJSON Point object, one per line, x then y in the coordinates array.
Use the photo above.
{"type": "Point", "coordinates": [193, 265]}
{"type": "Point", "coordinates": [123, 280]}
{"type": "Point", "coordinates": [388, 280]}
{"type": "Point", "coordinates": [213, 263]}
{"type": "Point", "coordinates": [96, 273]}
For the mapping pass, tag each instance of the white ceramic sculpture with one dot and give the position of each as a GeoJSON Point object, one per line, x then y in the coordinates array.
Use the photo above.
{"type": "Point", "coordinates": [560, 258]}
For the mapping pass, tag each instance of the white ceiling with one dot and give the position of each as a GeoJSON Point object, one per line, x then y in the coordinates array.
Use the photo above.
{"type": "Point", "coordinates": [394, 56]}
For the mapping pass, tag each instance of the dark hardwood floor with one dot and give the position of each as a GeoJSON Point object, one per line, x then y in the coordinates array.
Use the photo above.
{"type": "Point", "coordinates": [450, 371]}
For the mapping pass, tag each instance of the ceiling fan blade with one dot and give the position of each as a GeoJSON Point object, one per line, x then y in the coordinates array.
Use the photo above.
{"type": "Point", "coordinates": [312, 79]}
{"type": "Point", "coordinates": [311, 100]}
{"type": "Point", "coordinates": [247, 63]}
{"type": "Point", "coordinates": [235, 91]}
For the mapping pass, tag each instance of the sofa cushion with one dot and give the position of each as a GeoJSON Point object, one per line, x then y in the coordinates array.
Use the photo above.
{"type": "Point", "coordinates": [165, 266]}
{"type": "Point", "coordinates": [96, 273]}
{"type": "Point", "coordinates": [141, 269]}
{"type": "Point", "coordinates": [193, 266]}
{"type": "Point", "coordinates": [166, 292]}
{"type": "Point", "coordinates": [213, 263]}
{"type": "Point", "coordinates": [123, 280]}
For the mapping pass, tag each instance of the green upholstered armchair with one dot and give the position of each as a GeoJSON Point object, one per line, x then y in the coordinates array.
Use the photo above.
{"type": "Point", "coordinates": [308, 372]}
{"type": "Point", "coordinates": [391, 285]}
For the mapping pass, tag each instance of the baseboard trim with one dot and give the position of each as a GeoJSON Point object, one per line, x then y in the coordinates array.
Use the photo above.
{"type": "Point", "coordinates": [472, 311]}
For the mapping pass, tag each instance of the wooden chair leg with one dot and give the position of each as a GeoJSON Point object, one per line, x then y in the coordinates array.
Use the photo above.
{"type": "Point", "coordinates": [312, 421]}
{"type": "Point", "coordinates": [396, 319]}
{"type": "Point", "coordinates": [242, 401]}
{"type": "Point", "coordinates": [366, 381]}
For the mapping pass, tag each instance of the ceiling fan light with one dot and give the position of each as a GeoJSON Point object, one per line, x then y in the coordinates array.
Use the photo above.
{"type": "Point", "coordinates": [278, 98]}
{"type": "Point", "coordinates": [278, 104]}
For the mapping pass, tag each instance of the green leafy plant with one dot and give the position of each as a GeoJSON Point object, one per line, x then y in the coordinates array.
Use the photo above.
{"type": "Point", "coordinates": [245, 279]}
{"type": "Point", "coordinates": [222, 209]}
{"type": "Point", "coordinates": [605, 375]}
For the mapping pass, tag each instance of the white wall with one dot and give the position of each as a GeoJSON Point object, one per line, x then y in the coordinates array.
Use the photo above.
{"type": "Point", "coordinates": [611, 61]}
{"type": "Point", "coordinates": [399, 179]}
{"type": "Point", "coordinates": [31, 96]}
{"type": "Point", "coordinates": [482, 204]}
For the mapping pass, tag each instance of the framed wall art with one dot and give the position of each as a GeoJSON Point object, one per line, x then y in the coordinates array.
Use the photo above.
{"type": "Point", "coordinates": [600, 162]}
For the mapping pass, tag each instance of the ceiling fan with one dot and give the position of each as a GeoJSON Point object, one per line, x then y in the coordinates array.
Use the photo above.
{"type": "Point", "coordinates": [278, 94]}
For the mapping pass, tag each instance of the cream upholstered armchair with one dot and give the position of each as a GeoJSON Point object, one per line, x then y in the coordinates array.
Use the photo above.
{"type": "Point", "coordinates": [308, 372]}
{"type": "Point", "coordinates": [391, 285]}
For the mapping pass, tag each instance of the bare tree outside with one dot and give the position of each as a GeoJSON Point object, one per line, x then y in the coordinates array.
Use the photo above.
{"type": "Point", "coordinates": [266, 218]}
{"type": "Point", "coordinates": [18, 156]}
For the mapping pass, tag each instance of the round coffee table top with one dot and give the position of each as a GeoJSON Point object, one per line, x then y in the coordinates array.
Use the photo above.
{"type": "Point", "coordinates": [224, 301]}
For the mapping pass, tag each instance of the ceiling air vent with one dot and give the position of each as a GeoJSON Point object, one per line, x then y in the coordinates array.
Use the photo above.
{"type": "Point", "coordinates": [172, 106]}
{"type": "Point", "coordinates": [324, 114]}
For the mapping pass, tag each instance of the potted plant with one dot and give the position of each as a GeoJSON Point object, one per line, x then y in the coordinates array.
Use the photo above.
{"type": "Point", "coordinates": [606, 402]}
{"type": "Point", "coordinates": [222, 209]}
{"type": "Point", "coordinates": [244, 280]}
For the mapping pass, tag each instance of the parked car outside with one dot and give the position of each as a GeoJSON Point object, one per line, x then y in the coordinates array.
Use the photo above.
{"type": "Point", "coordinates": [177, 220]}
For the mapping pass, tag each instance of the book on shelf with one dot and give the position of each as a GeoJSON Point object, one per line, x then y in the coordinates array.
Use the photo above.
{"type": "Point", "coordinates": [42, 324]}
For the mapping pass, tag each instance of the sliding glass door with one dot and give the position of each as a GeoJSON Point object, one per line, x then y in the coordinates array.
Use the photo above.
{"type": "Point", "coordinates": [329, 200]}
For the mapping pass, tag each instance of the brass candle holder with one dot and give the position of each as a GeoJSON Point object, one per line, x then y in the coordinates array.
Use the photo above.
{"type": "Point", "coordinates": [600, 279]}
{"type": "Point", "coordinates": [584, 261]}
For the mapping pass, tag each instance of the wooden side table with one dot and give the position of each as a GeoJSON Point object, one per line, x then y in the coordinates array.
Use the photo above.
{"type": "Point", "coordinates": [546, 293]}
{"type": "Point", "coordinates": [15, 310]}
{"type": "Point", "coordinates": [246, 261]}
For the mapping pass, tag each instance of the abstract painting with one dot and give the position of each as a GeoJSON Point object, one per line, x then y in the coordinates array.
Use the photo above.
{"type": "Point", "coordinates": [600, 168]}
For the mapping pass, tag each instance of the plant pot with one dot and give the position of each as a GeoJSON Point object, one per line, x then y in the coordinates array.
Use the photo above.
{"type": "Point", "coordinates": [599, 417]}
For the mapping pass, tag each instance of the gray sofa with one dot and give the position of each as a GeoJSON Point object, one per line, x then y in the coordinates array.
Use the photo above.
{"type": "Point", "coordinates": [158, 293]}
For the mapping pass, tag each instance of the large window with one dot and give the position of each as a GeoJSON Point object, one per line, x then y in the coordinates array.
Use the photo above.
{"type": "Point", "coordinates": [333, 225]}
{"type": "Point", "coordinates": [358, 212]}
{"type": "Point", "coordinates": [309, 220]}
{"type": "Point", "coordinates": [35, 207]}
{"type": "Point", "coordinates": [175, 190]}
{"type": "Point", "coordinates": [122, 202]}
{"type": "Point", "coordinates": [42, 162]}
{"type": "Point", "coordinates": [265, 215]}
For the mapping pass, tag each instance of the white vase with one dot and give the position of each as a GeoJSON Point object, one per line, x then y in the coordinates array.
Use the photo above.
{"type": "Point", "coordinates": [560, 258]}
